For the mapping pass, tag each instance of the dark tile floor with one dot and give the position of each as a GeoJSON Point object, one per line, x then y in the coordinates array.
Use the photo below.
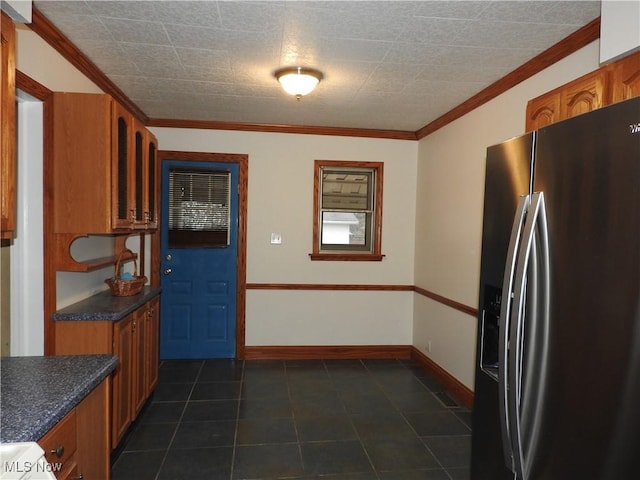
{"type": "Point", "coordinates": [307, 419]}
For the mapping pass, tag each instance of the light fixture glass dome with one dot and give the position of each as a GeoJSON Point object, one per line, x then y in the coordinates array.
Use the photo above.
{"type": "Point", "coordinates": [298, 81]}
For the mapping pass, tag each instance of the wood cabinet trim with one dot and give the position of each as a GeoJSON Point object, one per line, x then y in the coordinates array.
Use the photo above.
{"type": "Point", "coordinates": [95, 190]}
{"type": "Point", "coordinates": [609, 84]}
{"type": "Point", "coordinates": [59, 443]}
{"type": "Point", "coordinates": [136, 375]}
{"type": "Point", "coordinates": [625, 78]}
{"type": "Point", "coordinates": [78, 445]}
{"type": "Point", "coordinates": [7, 128]}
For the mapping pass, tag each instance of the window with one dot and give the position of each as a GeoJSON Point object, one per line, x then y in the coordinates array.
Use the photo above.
{"type": "Point", "coordinates": [347, 210]}
{"type": "Point", "coordinates": [198, 208]}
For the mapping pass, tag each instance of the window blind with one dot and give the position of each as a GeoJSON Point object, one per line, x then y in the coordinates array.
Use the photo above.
{"type": "Point", "coordinates": [199, 213]}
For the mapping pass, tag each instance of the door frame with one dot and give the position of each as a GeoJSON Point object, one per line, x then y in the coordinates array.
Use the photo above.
{"type": "Point", "coordinates": [241, 261]}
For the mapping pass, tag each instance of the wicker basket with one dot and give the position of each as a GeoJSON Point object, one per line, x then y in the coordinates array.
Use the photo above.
{"type": "Point", "coordinates": [126, 288]}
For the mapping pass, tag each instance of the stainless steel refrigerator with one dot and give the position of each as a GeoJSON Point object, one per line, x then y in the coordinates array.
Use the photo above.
{"type": "Point", "coordinates": [557, 392]}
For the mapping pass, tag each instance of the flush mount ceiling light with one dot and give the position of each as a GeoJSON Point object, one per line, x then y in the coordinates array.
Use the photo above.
{"type": "Point", "coordinates": [298, 81]}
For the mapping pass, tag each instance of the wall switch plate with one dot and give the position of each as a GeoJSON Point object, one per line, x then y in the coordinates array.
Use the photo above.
{"type": "Point", "coordinates": [276, 239]}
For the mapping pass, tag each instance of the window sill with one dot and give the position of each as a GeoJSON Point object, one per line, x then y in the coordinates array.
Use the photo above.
{"type": "Point", "coordinates": [347, 257]}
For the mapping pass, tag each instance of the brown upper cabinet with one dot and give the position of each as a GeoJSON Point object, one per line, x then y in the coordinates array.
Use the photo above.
{"type": "Point", "coordinates": [609, 84]}
{"type": "Point", "coordinates": [625, 78]}
{"type": "Point", "coordinates": [579, 96]}
{"type": "Point", "coordinates": [543, 110]}
{"type": "Point", "coordinates": [105, 167]}
{"type": "Point", "coordinates": [7, 129]}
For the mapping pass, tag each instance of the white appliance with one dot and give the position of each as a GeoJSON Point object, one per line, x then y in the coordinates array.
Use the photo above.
{"type": "Point", "coordinates": [24, 461]}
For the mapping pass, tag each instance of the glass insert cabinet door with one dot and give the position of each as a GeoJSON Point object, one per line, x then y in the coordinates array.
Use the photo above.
{"type": "Point", "coordinates": [199, 208]}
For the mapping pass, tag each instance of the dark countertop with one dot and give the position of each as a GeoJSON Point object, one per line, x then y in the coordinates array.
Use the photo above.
{"type": "Point", "coordinates": [38, 391]}
{"type": "Point", "coordinates": [105, 306]}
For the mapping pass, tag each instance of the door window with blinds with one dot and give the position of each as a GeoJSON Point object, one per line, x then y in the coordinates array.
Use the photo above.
{"type": "Point", "coordinates": [349, 209]}
{"type": "Point", "coordinates": [199, 208]}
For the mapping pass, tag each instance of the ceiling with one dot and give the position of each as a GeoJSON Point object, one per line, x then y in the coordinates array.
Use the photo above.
{"type": "Point", "coordinates": [388, 65]}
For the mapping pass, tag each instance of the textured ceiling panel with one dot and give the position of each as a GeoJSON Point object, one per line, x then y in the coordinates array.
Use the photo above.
{"type": "Point", "coordinates": [391, 65]}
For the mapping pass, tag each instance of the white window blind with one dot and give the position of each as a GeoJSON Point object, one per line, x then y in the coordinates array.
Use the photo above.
{"type": "Point", "coordinates": [199, 213]}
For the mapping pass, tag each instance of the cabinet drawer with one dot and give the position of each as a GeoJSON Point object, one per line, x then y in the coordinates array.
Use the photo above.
{"type": "Point", "coordinates": [70, 471]}
{"type": "Point", "coordinates": [59, 444]}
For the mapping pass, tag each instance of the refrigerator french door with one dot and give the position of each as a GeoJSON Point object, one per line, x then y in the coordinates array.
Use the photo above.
{"type": "Point", "coordinates": [557, 393]}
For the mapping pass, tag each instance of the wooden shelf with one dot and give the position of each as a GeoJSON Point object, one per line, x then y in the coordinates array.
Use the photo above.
{"type": "Point", "coordinates": [66, 263]}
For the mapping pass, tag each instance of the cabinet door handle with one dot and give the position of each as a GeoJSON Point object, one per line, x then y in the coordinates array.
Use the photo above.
{"type": "Point", "coordinates": [58, 451]}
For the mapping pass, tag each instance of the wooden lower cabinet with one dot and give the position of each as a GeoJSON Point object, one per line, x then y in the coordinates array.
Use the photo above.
{"type": "Point", "coordinates": [152, 349]}
{"type": "Point", "coordinates": [122, 378]}
{"type": "Point", "coordinates": [77, 447]}
{"type": "Point", "coordinates": [134, 339]}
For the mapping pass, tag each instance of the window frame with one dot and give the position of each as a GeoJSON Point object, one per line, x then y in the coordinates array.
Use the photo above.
{"type": "Point", "coordinates": [375, 253]}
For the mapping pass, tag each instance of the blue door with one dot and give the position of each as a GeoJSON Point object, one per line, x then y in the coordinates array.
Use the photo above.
{"type": "Point", "coordinates": [199, 245]}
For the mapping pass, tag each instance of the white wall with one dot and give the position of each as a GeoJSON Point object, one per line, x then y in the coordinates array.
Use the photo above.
{"type": "Point", "coordinates": [280, 200]}
{"type": "Point", "coordinates": [620, 29]}
{"type": "Point", "coordinates": [41, 62]}
{"type": "Point", "coordinates": [451, 164]}
{"type": "Point", "coordinates": [433, 229]}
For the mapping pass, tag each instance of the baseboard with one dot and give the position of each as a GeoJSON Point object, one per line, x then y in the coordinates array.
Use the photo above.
{"type": "Point", "coordinates": [306, 352]}
{"type": "Point", "coordinates": [309, 352]}
{"type": "Point", "coordinates": [453, 385]}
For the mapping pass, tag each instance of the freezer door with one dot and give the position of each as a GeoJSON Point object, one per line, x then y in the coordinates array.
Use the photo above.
{"type": "Point", "coordinates": [588, 169]}
{"type": "Point", "coordinates": [507, 181]}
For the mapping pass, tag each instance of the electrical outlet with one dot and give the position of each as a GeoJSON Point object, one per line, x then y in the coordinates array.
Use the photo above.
{"type": "Point", "coordinates": [276, 239]}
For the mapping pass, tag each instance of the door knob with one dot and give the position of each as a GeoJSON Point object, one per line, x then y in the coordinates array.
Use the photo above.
{"type": "Point", "coordinates": [167, 271]}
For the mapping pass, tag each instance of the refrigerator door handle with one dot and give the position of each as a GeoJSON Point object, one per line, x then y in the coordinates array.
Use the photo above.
{"type": "Point", "coordinates": [537, 328]}
{"type": "Point", "coordinates": [505, 315]}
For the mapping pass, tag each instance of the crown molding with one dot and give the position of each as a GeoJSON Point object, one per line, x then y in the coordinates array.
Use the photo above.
{"type": "Point", "coordinates": [300, 129]}
{"type": "Point", "coordinates": [565, 47]}
{"type": "Point", "coordinates": [580, 38]}
{"type": "Point", "coordinates": [54, 37]}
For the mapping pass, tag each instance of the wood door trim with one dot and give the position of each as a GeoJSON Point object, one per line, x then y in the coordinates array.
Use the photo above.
{"type": "Point", "coordinates": [42, 93]}
{"type": "Point", "coordinates": [241, 269]}
{"type": "Point", "coordinates": [34, 88]}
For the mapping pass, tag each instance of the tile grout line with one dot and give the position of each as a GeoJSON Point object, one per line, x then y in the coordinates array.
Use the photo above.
{"type": "Point", "coordinates": [235, 432]}
{"type": "Point", "coordinates": [175, 432]}
{"type": "Point", "coordinates": [353, 426]}
{"type": "Point", "coordinates": [293, 416]}
{"type": "Point", "coordinates": [409, 423]}
{"type": "Point", "coordinates": [292, 376]}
